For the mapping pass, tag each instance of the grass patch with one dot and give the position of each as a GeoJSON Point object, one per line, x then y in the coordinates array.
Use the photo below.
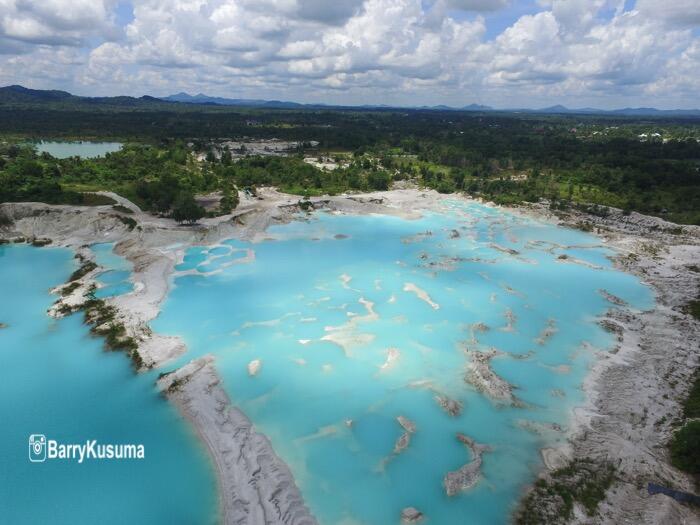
{"type": "Point", "coordinates": [553, 497]}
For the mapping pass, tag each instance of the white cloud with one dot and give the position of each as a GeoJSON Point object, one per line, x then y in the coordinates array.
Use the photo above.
{"type": "Point", "coordinates": [362, 50]}
{"type": "Point", "coordinates": [676, 12]}
{"type": "Point", "coordinates": [54, 22]}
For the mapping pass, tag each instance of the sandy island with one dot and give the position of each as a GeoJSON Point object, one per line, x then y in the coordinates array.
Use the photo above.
{"type": "Point", "coordinates": [633, 393]}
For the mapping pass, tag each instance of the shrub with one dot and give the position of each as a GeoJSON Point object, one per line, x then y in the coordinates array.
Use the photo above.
{"type": "Point", "coordinates": [81, 272]}
{"type": "Point", "coordinates": [685, 448]}
{"type": "Point", "coordinates": [122, 209]}
{"type": "Point", "coordinates": [129, 222]}
{"type": "Point", "coordinates": [95, 199]}
{"type": "Point", "coordinates": [691, 407]}
{"type": "Point", "coordinates": [553, 497]}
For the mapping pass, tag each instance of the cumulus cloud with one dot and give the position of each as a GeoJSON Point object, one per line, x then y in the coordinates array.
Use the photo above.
{"type": "Point", "coordinates": [54, 22]}
{"type": "Point", "coordinates": [362, 50]}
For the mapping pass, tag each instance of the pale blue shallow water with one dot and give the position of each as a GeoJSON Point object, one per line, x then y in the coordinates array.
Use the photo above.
{"type": "Point", "coordinates": [304, 393]}
{"type": "Point", "coordinates": [58, 380]}
{"type": "Point", "coordinates": [83, 149]}
{"type": "Point", "coordinates": [115, 279]}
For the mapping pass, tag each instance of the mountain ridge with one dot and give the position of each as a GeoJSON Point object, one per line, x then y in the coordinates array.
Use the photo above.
{"type": "Point", "coordinates": [16, 94]}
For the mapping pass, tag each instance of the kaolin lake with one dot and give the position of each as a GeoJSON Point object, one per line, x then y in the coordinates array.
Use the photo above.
{"type": "Point", "coordinates": [348, 322]}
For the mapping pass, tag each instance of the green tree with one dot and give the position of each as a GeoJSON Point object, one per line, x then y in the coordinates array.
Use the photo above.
{"type": "Point", "coordinates": [229, 201]}
{"type": "Point", "coordinates": [226, 157]}
{"type": "Point", "coordinates": [378, 180]}
{"type": "Point", "coordinates": [186, 209]}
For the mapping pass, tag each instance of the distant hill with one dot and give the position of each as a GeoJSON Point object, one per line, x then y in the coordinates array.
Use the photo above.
{"type": "Point", "coordinates": [220, 101]}
{"type": "Point", "coordinates": [19, 95]}
{"type": "Point", "coordinates": [201, 98]}
{"type": "Point", "coordinates": [557, 109]}
{"type": "Point", "coordinates": [476, 107]}
{"type": "Point", "coordinates": [641, 112]}
{"type": "Point", "coordinates": [22, 94]}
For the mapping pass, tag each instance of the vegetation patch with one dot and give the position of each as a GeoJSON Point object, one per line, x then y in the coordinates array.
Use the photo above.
{"type": "Point", "coordinates": [176, 385]}
{"type": "Point", "coordinates": [95, 199]}
{"type": "Point", "coordinates": [81, 272]}
{"type": "Point", "coordinates": [186, 210]}
{"type": "Point", "coordinates": [685, 448]}
{"type": "Point", "coordinates": [102, 319]}
{"type": "Point", "coordinates": [691, 407]}
{"type": "Point", "coordinates": [693, 308]}
{"type": "Point", "coordinates": [306, 205]}
{"type": "Point", "coordinates": [41, 242]}
{"type": "Point", "coordinates": [552, 499]}
{"type": "Point", "coordinates": [122, 209]}
{"type": "Point", "coordinates": [589, 161]}
{"type": "Point", "coordinates": [69, 288]}
{"type": "Point", "coordinates": [129, 222]}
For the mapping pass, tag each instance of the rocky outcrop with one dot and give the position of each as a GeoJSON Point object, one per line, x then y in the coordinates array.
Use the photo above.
{"type": "Point", "coordinates": [468, 475]}
{"type": "Point", "coordinates": [547, 332]}
{"type": "Point", "coordinates": [411, 515]}
{"type": "Point", "coordinates": [614, 299]}
{"type": "Point", "coordinates": [451, 406]}
{"type": "Point", "coordinates": [405, 438]}
{"type": "Point", "coordinates": [485, 380]}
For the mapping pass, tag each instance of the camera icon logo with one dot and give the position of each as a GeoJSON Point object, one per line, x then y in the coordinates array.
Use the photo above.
{"type": "Point", "coordinates": [37, 448]}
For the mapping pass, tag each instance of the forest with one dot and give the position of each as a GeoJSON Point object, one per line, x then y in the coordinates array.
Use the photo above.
{"type": "Point", "coordinates": [650, 166]}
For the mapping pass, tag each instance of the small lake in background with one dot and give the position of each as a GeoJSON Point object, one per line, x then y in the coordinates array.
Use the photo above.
{"type": "Point", "coordinates": [82, 149]}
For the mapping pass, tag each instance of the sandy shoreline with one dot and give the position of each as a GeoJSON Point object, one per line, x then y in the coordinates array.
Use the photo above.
{"type": "Point", "coordinates": [656, 356]}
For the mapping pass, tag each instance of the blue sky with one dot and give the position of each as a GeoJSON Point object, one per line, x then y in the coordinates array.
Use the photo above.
{"type": "Point", "coordinates": [505, 53]}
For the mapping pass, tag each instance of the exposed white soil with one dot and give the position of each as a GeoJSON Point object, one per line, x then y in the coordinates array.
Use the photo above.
{"type": "Point", "coordinates": [634, 393]}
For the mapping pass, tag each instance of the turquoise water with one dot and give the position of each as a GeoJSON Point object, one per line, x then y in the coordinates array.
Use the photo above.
{"type": "Point", "coordinates": [83, 149]}
{"type": "Point", "coordinates": [330, 408]}
{"type": "Point", "coordinates": [205, 259]}
{"type": "Point", "coordinates": [115, 279]}
{"type": "Point", "coordinates": [58, 380]}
